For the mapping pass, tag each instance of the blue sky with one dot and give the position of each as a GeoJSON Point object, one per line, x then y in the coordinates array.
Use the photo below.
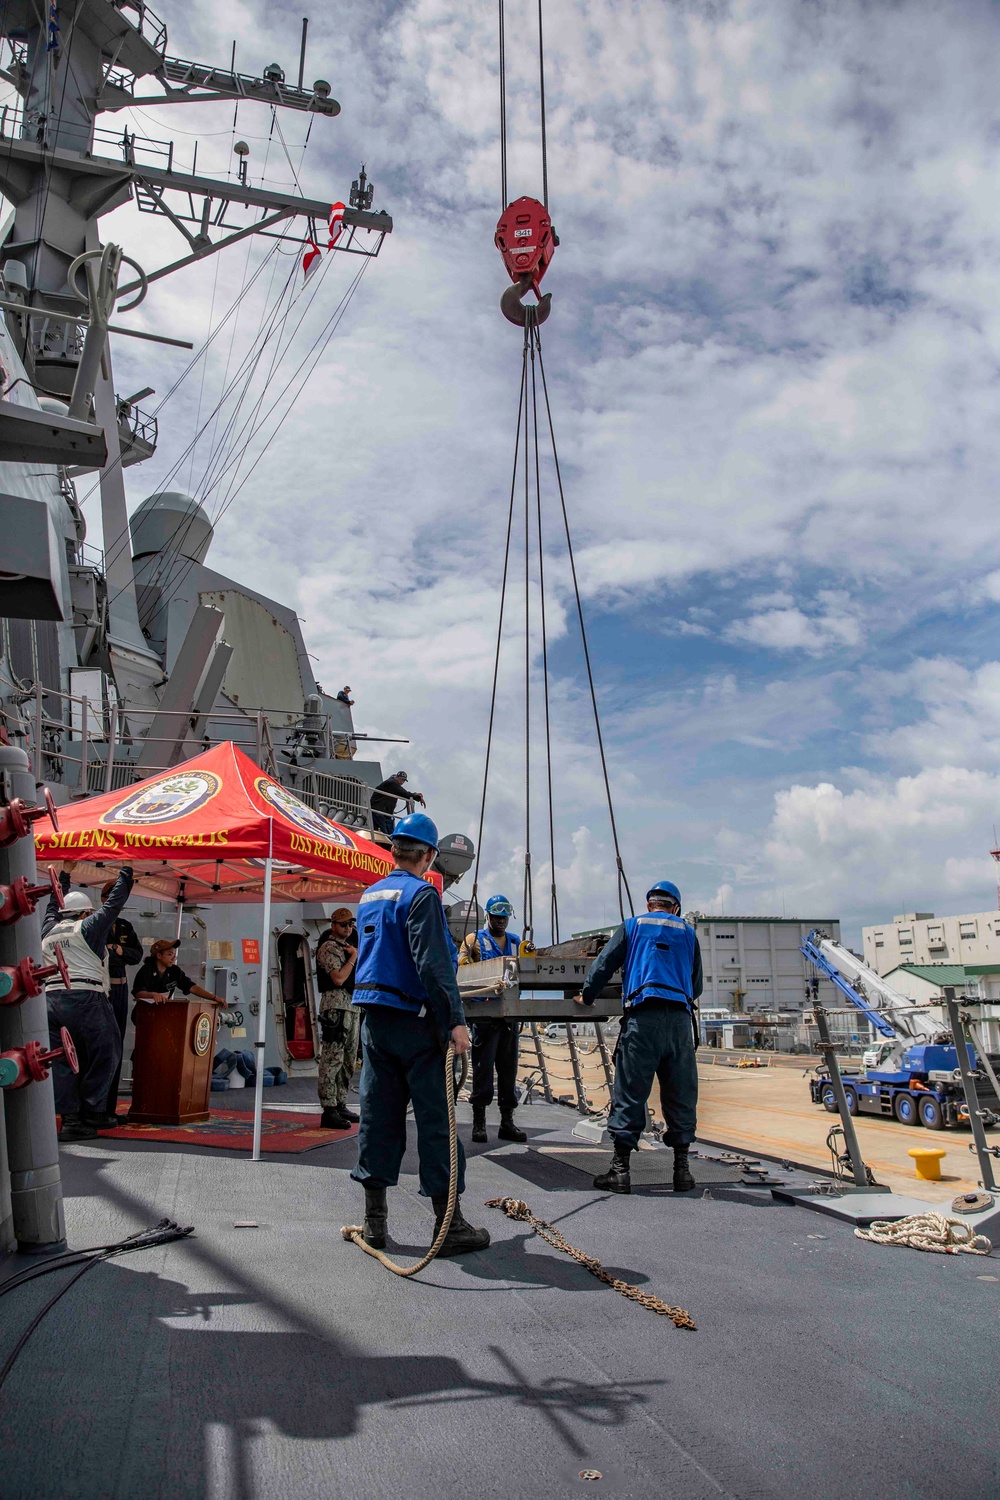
{"type": "Point", "coordinates": [774, 364]}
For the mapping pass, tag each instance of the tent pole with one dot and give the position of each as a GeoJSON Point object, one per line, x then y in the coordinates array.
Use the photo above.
{"type": "Point", "coordinates": [265, 965]}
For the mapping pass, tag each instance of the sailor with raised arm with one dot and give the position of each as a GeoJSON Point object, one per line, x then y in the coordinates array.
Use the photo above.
{"type": "Point", "coordinates": [405, 984]}
{"type": "Point", "coordinates": [660, 960]}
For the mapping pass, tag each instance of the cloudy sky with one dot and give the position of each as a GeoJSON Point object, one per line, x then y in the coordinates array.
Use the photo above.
{"type": "Point", "coordinates": [773, 360]}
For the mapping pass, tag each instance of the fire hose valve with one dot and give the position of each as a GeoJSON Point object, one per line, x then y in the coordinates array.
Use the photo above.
{"type": "Point", "coordinates": [30, 1063]}
{"type": "Point", "coordinates": [19, 899]}
{"type": "Point", "coordinates": [24, 981]}
{"type": "Point", "coordinates": [17, 817]}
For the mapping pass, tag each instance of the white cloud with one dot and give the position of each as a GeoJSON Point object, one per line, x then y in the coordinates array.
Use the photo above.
{"type": "Point", "coordinates": [790, 629]}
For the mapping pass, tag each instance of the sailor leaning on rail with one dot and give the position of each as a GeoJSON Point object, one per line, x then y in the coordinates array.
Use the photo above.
{"type": "Point", "coordinates": [660, 960]}
{"type": "Point", "coordinates": [405, 986]}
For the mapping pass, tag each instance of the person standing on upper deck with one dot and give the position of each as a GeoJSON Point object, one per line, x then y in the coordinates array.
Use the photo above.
{"type": "Point", "coordinates": [405, 984]}
{"type": "Point", "coordinates": [660, 960]}
{"type": "Point", "coordinates": [384, 799]}
{"type": "Point", "coordinates": [494, 1042]}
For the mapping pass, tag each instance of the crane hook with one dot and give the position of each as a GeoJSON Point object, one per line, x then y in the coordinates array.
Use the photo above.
{"type": "Point", "coordinates": [527, 242]}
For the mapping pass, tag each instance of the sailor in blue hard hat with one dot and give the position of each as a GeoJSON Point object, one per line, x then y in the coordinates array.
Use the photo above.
{"type": "Point", "coordinates": [660, 961]}
{"type": "Point", "coordinates": [405, 984]}
{"type": "Point", "coordinates": [494, 1042]}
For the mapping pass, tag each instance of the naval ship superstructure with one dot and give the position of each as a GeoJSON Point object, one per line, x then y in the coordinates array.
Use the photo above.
{"type": "Point", "coordinates": [119, 663]}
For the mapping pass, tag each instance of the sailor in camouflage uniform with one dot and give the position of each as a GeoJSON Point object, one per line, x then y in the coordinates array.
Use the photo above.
{"type": "Point", "coordinates": [339, 1021]}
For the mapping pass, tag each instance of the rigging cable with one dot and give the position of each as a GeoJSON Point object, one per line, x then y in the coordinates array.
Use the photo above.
{"type": "Point", "coordinates": [553, 895]}
{"type": "Point", "coordinates": [503, 113]}
{"type": "Point", "coordinates": [541, 96]}
{"type": "Point", "coordinates": [622, 880]}
{"type": "Point", "coordinates": [496, 657]}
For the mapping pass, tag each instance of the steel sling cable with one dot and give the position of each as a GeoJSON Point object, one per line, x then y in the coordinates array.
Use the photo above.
{"type": "Point", "coordinates": [528, 898]}
{"type": "Point", "coordinates": [503, 113]}
{"type": "Point", "coordinates": [541, 97]}
{"type": "Point", "coordinates": [622, 879]}
{"type": "Point", "coordinates": [553, 895]}
{"type": "Point", "coordinates": [496, 658]}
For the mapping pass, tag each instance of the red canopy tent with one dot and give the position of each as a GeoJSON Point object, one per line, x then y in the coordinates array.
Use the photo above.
{"type": "Point", "coordinates": [203, 832]}
{"type": "Point", "coordinates": [216, 828]}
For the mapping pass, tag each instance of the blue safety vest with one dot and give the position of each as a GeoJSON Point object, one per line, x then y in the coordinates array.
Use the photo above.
{"type": "Point", "coordinates": [385, 973]}
{"type": "Point", "coordinates": [659, 955]}
{"type": "Point", "coordinates": [490, 948]}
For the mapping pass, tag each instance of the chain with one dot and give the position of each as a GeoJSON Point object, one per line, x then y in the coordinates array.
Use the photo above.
{"type": "Point", "coordinates": [514, 1208]}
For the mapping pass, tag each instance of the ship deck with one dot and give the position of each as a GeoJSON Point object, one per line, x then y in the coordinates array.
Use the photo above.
{"type": "Point", "coordinates": [279, 1361]}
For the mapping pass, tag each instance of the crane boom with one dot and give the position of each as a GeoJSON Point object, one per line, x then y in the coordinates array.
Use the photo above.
{"type": "Point", "coordinates": [890, 1012]}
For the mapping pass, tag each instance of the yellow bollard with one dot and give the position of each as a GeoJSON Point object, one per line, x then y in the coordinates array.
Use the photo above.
{"type": "Point", "coordinates": [927, 1160]}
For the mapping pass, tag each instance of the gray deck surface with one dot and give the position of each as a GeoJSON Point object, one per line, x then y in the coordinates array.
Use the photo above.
{"type": "Point", "coordinates": [280, 1362]}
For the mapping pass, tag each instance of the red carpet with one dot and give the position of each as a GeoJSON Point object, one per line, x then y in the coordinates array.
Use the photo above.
{"type": "Point", "coordinates": [232, 1130]}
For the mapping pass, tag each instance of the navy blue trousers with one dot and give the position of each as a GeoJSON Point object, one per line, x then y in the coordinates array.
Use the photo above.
{"type": "Point", "coordinates": [402, 1061]}
{"type": "Point", "coordinates": [90, 1021]}
{"type": "Point", "coordinates": [655, 1044]}
{"type": "Point", "coordinates": [495, 1046]}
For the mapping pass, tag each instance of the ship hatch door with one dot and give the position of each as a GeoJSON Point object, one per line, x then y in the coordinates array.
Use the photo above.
{"type": "Point", "coordinates": [299, 1032]}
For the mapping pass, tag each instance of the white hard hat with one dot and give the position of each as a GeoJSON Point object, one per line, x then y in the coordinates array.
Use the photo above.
{"type": "Point", "coordinates": [77, 901]}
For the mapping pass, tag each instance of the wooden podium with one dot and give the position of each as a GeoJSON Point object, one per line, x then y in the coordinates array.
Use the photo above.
{"type": "Point", "coordinates": [172, 1062]}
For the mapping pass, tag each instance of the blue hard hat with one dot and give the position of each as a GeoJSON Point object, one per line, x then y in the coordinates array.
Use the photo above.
{"type": "Point", "coordinates": [417, 826]}
{"type": "Point", "coordinates": [664, 888]}
{"type": "Point", "coordinates": [499, 906]}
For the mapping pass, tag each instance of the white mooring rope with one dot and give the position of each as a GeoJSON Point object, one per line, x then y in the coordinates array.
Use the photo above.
{"type": "Point", "coordinates": [945, 1236]}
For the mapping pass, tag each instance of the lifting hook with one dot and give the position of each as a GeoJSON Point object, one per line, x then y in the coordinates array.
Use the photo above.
{"type": "Point", "coordinates": [527, 242]}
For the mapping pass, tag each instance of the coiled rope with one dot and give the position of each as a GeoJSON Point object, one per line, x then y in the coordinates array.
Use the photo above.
{"type": "Point", "coordinates": [514, 1208]}
{"type": "Point", "coordinates": [355, 1232]}
{"type": "Point", "coordinates": [945, 1236]}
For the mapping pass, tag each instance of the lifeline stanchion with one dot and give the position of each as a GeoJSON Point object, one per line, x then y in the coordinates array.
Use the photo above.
{"type": "Point", "coordinates": [515, 1208]}
{"type": "Point", "coordinates": [355, 1232]}
{"type": "Point", "coordinates": [602, 1043]}
{"type": "Point", "coordinates": [542, 1068]}
{"type": "Point", "coordinates": [574, 1057]}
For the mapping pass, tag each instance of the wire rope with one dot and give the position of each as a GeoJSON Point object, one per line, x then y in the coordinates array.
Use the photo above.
{"type": "Point", "coordinates": [541, 97]}
{"type": "Point", "coordinates": [553, 893]}
{"type": "Point", "coordinates": [503, 111]}
{"type": "Point", "coordinates": [622, 879]}
{"type": "Point", "coordinates": [496, 655]}
{"type": "Point", "coordinates": [528, 896]}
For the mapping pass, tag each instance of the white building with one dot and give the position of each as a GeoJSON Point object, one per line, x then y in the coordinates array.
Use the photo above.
{"type": "Point", "coordinates": [918, 937]}
{"type": "Point", "coordinates": [756, 963]}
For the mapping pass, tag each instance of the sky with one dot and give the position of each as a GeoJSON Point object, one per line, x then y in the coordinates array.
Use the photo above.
{"type": "Point", "coordinates": [773, 364]}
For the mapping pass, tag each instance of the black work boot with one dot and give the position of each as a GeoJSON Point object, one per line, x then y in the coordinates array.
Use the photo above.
{"type": "Point", "coordinates": [683, 1181]}
{"type": "Point", "coordinates": [508, 1130]}
{"type": "Point", "coordinates": [75, 1129]}
{"type": "Point", "coordinates": [333, 1119]}
{"type": "Point", "coordinates": [479, 1123]}
{"type": "Point", "coordinates": [617, 1179]}
{"type": "Point", "coordinates": [461, 1237]}
{"type": "Point", "coordinates": [376, 1214]}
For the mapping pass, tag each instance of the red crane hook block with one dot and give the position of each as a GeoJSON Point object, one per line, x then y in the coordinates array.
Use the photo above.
{"type": "Point", "coordinates": [30, 1063]}
{"type": "Point", "coordinates": [16, 818]}
{"type": "Point", "coordinates": [19, 899]}
{"type": "Point", "coordinates": [24, 981]}
{"type": "Point", "coordinates": [527, 242]}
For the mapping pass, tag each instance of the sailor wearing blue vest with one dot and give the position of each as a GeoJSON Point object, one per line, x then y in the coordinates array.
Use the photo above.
{"type": "Point", "coordinates": [405, 985]}
{"type": "Point", "coordinates": [660, 960]}
{"type": "Point", "coordinates": [494, 1043]}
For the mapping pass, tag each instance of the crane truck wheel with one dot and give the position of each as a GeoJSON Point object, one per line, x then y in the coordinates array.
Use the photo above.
{"type": "Point", "coordinates": [852, 1099]}
{"type": "Point", "coordinates": [931, 1114]}
{"type": "Point", "coordinates": [905, 1109]}
{"type": "Point", "coordinates": [829, 1100]}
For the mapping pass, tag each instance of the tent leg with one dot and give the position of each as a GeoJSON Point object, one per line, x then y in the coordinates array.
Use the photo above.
{"type": "Point", "coordinates": [265, 965]}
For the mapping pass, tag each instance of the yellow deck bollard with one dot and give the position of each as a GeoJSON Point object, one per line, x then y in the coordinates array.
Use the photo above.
{"type": "Point", "coordinates": [927, 1160]}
